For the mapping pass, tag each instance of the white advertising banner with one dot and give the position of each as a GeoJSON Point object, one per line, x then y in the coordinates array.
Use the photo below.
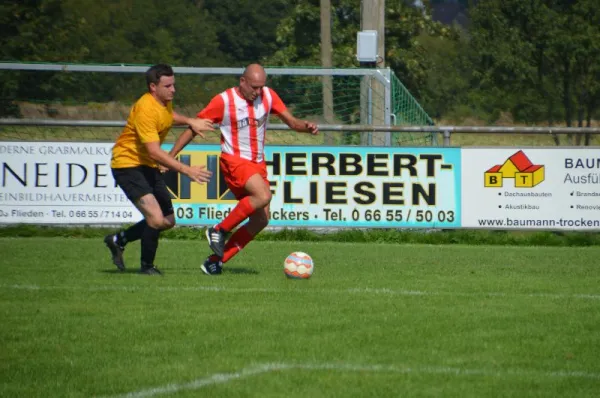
{"type": "Point", "coordinates": [60, 183]}
{"type": "Point", "coordinates": [534, 188]}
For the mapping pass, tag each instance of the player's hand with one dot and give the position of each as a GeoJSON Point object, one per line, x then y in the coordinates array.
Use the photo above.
{"type": "Point", "coordinates": [199, 174]}
{"type": "Point", "coordinates": [162, 169]}
{"type": "Point", "coordinates": [312, 128]}
{"type": "Point", "coordinates": [199, 125]}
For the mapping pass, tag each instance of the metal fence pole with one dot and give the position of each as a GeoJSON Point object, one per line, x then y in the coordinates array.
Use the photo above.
{"type": "Point", "coordinates": [362, 128]}
{"type": "Point", "coordinates": [370, 111]}
{"type": "Point", "coordinates": [446, 138]}
{"type": "Point", "coordinates": [387, 119]}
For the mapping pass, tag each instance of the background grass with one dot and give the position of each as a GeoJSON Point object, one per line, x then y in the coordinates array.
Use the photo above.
{"type": "Point", "coordinates": [374, 320]}
{"type": "Point", "coordinates": [513, 140]}
{"type": "Point", "coordinates": [458, 236]}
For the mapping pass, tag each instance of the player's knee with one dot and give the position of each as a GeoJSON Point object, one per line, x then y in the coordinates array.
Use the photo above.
{"type": "Point", "coordinates": [169, 222]}
{"type": "Point", "coordinates": [264, 198]}
{"type": "Point", "coordinates": [156, 222]}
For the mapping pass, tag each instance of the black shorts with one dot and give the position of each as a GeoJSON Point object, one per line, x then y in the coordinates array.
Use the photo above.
{"type": "Point", "coordinates": [142, 180]}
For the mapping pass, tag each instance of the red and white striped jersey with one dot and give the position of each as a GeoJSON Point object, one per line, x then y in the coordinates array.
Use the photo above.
{"type": "Point", "coordinates": [243, 123]}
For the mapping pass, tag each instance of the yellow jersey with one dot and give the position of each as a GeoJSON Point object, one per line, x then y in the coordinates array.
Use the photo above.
{"type": "Point", "coordinates": [148, 121]}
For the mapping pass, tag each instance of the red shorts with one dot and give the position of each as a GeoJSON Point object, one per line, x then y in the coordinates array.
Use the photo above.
{"type": "Point", "coordinates": [237, 172]}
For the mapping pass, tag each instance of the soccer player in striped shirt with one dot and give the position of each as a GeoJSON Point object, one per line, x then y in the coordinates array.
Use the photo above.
{"type": "Point", "coordinates": [242, 114]}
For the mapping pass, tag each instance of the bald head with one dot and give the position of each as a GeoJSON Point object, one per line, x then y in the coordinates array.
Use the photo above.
{"type": "Point", "coordinates": [255, 71]}
{"type": "Point", "coordinates": [252, 81]}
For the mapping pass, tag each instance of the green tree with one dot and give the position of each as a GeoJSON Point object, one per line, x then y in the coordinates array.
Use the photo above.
{"type": "Point", "coordinates": [585, 31]}
{"type": "Point", "coordinates": [410, 35]}
{"type": "Point", "coordinates": [507, 64]}
{"type": "Point", "coordinates": [246, 29]}
{"type": "Point", "coordinates": [38, 30]}
{"type": "Point", "coordinates": [445, 85]}
{"type": "Point", "coordinates": [124, 31]}
{"type": "Point", "coordinates": [538, 58]}
{"type": "Point", "coordinates": [33, 30]}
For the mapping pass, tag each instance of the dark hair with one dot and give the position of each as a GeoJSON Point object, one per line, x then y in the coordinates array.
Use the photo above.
{"type": "Point", "coordinates": [155, 72]}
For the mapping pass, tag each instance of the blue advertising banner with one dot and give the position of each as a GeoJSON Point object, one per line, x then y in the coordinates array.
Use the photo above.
{"type": "Point", "coordinates": [316, 186]}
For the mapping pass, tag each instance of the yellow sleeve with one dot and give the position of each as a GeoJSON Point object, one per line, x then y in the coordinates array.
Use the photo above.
{"type": "Point", "coordinates": [146, 124]}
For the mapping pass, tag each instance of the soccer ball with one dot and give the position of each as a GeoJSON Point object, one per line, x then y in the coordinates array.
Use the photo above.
{"type": "Point", "coordinates": [298, 265]}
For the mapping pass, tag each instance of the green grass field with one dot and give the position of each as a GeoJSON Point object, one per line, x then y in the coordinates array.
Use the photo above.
{"type": "Point", "coordinates": [375, 320]}
{"type": "Point", "coordinates": [513, 140]}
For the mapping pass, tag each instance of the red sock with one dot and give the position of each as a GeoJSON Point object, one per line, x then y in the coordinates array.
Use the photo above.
{"type": "Point", "coordinates": [236, 243]}
{"type": "Point", "coordinates": [239, 213]}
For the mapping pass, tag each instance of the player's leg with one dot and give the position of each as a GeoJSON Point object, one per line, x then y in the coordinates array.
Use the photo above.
{"type": "Point", "coordinates": [158, 210]}
{"type": "Point", "coordinates": [161, 192]}
{"type": "Point", "coordinates": [116, 242]}
{"type": "Point", "coordinates": [138, 185]}
{"type": "Point", "coordinates": [246, 233]}
{"type": "Point", "coordinates": [236, 243]}
{"type": "Point", "coordinates": [133, 183]}
{"type": "Point", "coordinates": [156, 222]}
{"type": "Point", "coordinates": [258, 220]}
{"type": "Point", "coordinates": [255, 194]}
{"type": "Point", "coordinates": [130, 234]}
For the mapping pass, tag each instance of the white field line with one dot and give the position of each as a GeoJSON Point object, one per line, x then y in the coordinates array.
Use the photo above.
{"type": "Point", "coordinates": [366, 291]}
{"type": "Point", "coordinates": [220, 378]}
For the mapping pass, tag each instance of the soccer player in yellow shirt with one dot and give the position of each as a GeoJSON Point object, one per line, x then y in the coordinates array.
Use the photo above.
{"type": "Point", "coordinates": [136, 157]}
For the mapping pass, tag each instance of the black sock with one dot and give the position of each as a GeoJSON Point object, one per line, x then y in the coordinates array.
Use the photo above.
{"type": "Point", "coordinates": [131, 234]}
{"type": "Point", "coordinates": [149, 245]}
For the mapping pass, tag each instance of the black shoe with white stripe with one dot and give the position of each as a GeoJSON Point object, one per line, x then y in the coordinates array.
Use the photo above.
{"type": "Point", "coordinates": [212, 266]}
{"type": "Point", "coordinates": [116, 251]}
{"type": "Point", "coordinates": [216, 240]}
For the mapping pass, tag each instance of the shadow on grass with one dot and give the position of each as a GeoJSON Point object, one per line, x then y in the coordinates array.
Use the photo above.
{"type": "Point", "coordinates": [234, 271]}
{"type": "Point", "coordinates": [241, 271]}
{"type": "Point", "coordinates": [119, 272]}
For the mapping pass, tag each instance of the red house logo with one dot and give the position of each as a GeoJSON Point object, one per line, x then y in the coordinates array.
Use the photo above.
{"type": "Point", "coordinates": [517, 167]}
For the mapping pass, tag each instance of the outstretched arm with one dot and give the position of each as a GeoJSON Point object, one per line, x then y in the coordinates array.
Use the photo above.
{"type": "Point", "coordinates": [213, 113]}
{"type": "Point", "coordinates": [303, 126]}
{"type": "Point", "coordinates": [198, 174]}
{"type": "Point", "coordinates": [196, 124]}
{"type": "Point", "coordinates": [206, 117]}
{"type": "Point", "coordinates": [185, 138]}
